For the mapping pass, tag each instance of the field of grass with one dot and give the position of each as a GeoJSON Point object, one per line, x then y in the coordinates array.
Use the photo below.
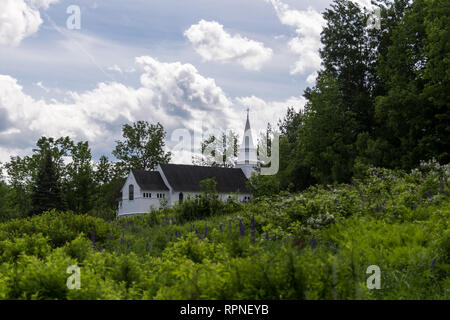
{"type": "Point", "coordinates": [316, 244]}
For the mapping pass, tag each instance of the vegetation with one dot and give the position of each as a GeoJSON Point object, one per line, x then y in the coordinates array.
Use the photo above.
{"type": "Point", "coordinates": [346, 196]}
{"type": "Point", "coordinates": [316, 244]}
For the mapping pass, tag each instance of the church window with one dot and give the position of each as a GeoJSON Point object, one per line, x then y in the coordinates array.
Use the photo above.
{"type": "Point", "coordinates": [180, 197]}
{"type": "Point", "coordinates": [131, 192]}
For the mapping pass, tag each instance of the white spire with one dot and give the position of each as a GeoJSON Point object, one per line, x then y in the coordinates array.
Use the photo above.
{"type": "Point", "coordinates": [247, 151]}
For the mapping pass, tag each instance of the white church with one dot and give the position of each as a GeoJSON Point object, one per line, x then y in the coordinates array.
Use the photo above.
{"type": "Point", "coordinates": [171, 183]}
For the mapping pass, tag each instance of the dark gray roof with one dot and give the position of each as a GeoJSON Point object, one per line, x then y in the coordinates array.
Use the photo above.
{"type": "Point", "coordinates": [149, 180]}
{"type": "Point", "coordinates": [187, 177]}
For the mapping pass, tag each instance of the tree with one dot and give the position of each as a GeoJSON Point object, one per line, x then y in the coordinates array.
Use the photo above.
{"type": "Point", "coordinates": [79, 185]}
{"type": "Point", "coordinates": [46, 193]}
{"type": "Point", "coordinates": [414, 113]}
{"type": "Point", "coordinates": [143, 147]}
{"type": "Point", "coordinates": [218, 152]}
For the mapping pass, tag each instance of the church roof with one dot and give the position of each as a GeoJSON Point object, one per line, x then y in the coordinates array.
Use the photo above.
{"type": "Point", "coordinates": [149, 180]}
{"type": "Point", "coordinates": [187, 177]}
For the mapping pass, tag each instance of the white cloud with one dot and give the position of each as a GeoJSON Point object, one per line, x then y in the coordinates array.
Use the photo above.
{"type": "Point", "coordinates": [20, 19]}
{"type": "Point", "coordinates": [213, 43]}
{"type": "Point", "coordinates": [175, 94]}
{"type": "Point", "coordinates": [309, 24]}
{"type": "Point", "coordinates": [262, 112]}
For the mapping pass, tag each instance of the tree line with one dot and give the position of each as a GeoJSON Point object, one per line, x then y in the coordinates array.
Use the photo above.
{"type": "Point", "coordinates": [61, 174]}
{"type": "Point", "coordinates": [381, 98]}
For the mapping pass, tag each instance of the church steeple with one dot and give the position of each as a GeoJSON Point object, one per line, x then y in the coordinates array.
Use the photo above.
{"type": "Point", "coordinates": [247, 158]}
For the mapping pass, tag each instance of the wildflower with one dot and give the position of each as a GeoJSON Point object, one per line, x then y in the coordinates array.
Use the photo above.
{"type": "Point", "coordinates": [433, 262]}
{"type": "Point", "coordinates": [170, 239]}
{"type": "Point", "coordinates": [442, 187]}
{"type": "Point", "coordinates": [111, 236]}
{"type": "Point", "coordinates": [93, 239]}
{"type": "Point", "coordinates": [241, 229]}
{"type": "Point", "coordinates": [147, 248]}
{"type": "Point", "coordinates": [122, 240]}
{"type": "Point", "coordinates": [253, 229]}
{"type": "Point", "coordinates": [313, 242]}
{"type": "Point", "coordinates": [100, 249]}
{"type": "Point", "coordinates": [415, 207]}
{"type": "Point", "coordinates": [267, 235]}
{"type": "Point", "coordinates": [428, 194]}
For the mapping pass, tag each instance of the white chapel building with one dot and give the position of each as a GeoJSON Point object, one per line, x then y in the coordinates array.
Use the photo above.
{"type": "Point", "coordinates": [171, 183]}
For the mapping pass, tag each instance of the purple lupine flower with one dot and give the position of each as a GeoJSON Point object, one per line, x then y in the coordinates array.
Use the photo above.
{"type": "Point", "coordinates": [122, 239]}
{"type": "Point", "coordinates": [442, 187]}
{"type": "Point", "coordinates": [170, 239]}
{"type": "Point", "coordinates": [93, 239]}
{"type": "Point", "coordinates": [192, 228]}
{"type": "Point", "coordinates": [206, 231]}
{"type": "Point", "coordinates": [100, 249]}
{"type": "Point", "coordinates": [111, 237]}
{"type": "Point", "coordinates": [433, 262]}
{"type": "Point", "coordinates": [260, 213]}
{"type": "Point", "coordinates": [415, 207]}
{"type": "Point", "coordinates": [267, 235]}
{"type": "Point", "coordinates": [241, 229]}
{"type": "Point", "coordinates": [252, 229]}
{"type": "Point", "coordinates": [313, 242]}
{"type": "Point", "coordinates": [147, 248]}
{"type": "Point", "coordinates": [428, 194]}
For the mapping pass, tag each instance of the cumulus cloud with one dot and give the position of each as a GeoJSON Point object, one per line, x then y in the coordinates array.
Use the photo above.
{"type": "Point", "coordinates": [213, 43]}
{"type": "Point", "coordinates": [308, 25]}
{"type": "Point", "coordinates": [175, 94]}
{"type": "Point", "coordinates": [20, 19]}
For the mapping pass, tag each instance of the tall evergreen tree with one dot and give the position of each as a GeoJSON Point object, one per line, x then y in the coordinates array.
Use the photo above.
{"type": "Point", "coordinates": [46, 193]}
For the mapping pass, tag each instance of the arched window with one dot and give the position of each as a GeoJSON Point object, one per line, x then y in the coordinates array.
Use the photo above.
{"type": "Point", "coordinates": [180, 197]}
{"type": "Point", "coordinates": [130, 192]}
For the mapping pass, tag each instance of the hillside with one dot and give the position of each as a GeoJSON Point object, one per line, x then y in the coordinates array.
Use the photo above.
{"type": "Point", "coordinates": [316, 244]}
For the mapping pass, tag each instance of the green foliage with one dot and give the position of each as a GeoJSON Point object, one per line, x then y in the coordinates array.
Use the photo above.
{"type": "Point", "coordinates": [311, 245]}
{"type": "Point", "coordinates": [47, 192]}
{"type": "Point", "coordinates": [206, 204]}
{"type": "Point", "coordinates": [143, 147]}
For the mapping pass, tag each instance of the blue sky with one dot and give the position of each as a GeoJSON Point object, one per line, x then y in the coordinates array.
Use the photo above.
{"type": "Point", "coordinates": [177, 62]}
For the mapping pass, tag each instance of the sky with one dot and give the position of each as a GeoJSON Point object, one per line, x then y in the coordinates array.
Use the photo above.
{"type": "Point", "coordinates": [83, 68]}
